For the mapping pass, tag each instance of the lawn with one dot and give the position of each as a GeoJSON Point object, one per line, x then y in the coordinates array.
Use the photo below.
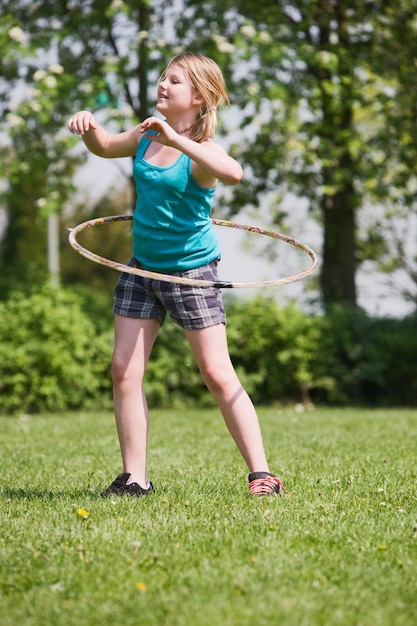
{"type": "Point", "coordinates": [341, 550]}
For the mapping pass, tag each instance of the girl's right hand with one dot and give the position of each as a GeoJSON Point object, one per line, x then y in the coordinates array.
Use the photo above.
{"type": "Point", "coordinates": [81, 122]}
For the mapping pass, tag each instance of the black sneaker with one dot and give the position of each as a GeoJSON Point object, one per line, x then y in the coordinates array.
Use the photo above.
{"type": "Point", "coordinates": [119, 487]}
{"type": "Point", "coordinates": [265, 484]}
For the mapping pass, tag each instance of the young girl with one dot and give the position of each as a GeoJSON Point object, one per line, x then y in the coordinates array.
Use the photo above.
{"type": "Point", "coordinates": [176, 170]}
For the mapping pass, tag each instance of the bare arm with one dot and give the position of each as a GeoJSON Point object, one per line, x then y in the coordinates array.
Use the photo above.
{"type": "Point", "coordinates": [211, 161]}
{"type": "Point", "coordinates": [99, 141]}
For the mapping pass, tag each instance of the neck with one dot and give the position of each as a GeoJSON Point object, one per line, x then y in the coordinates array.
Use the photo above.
{"type": "Point", "coordinates": [182, 131]}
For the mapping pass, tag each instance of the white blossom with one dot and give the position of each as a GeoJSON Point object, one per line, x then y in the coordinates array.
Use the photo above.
{"type": "Point", "coordinates": [39, 75]}
{"type": "Point", "coordinates": [50, 82]}
{"type": "Point", "coordinates": [17, 34]}
{"type": "Point", "coordinates": [117, 5]}
{"type": "Point", "coordinates": [253, 89]}
{"type": "Point", "coordinates": [56, 68]}
{"type": "Point", "coordinates": [86, 88]}
{"type": "Point", "coordinates": [248, 31]}
{"type": "Point", "coordinates": [35, 106]}
{"type": "Point", "coordinates": [142, 36]}
{"type": "Point", "coordinates": [265, 37]}
{"type": "Point", "coordinates": [223, 45]}
{"type": "Point", "coordinates": [14, 120]}
{"type": "Point", "coordinates": [56, 24]}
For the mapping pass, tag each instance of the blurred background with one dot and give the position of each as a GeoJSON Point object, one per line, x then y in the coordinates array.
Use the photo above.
{"type": "Point", "coordinates": [323, 120]}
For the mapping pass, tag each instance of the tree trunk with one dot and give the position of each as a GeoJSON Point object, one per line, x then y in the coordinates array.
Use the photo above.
{"type": "Point", "coordinates": [339, 266]}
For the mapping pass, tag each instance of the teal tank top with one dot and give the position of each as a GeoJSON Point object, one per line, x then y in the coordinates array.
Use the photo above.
{"type": "Point", "coordinates": [172, 230]}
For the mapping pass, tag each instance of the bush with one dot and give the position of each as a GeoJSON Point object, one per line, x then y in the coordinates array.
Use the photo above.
{"type": "Point", "coordinates": [55, 353]}
{"type": "Point", "coordinates": [273, 349]}
{"type": "Point", "coordinates": [51, 358]}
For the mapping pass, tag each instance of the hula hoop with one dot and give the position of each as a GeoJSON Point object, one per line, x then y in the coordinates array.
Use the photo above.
{"type": "Point", "coordinates": [172, 278]}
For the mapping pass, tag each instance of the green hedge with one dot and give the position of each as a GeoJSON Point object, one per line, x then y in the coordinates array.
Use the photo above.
{"type": "Point", "coordinates": [51, 357]}
{"type": "Point", "coordinates": [56, 344]}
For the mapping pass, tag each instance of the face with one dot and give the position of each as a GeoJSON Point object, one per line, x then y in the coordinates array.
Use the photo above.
{"type": "Point", "coordinates": [175, 93]}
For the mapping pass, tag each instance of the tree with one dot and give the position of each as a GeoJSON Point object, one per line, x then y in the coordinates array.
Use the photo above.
{"type": "Point", "coordinates": [317, 76]}
{"type": "Point", "coordinates": [58, 59]}
{"type": "Point", "coordinates": [323, 89]}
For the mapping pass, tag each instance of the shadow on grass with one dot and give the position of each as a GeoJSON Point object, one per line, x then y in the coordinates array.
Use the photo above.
{"type": "Point", "coordinates": [32, 493]}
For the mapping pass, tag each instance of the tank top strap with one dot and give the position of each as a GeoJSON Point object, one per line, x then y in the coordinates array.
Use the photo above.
{"type": "Point", "coordinates": [142, 146]}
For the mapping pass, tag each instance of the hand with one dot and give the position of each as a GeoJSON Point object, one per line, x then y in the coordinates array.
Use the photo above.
{"type": "Point", "coordinates": [165, 133]}
{"type": "Point", "coordinates": [81, 122]}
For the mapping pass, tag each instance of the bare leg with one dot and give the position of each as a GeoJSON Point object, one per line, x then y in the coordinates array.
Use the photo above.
{"type": "Point", "coordinates": [209, 346]}
{"type": "Point", "coordinates": [134, 339]}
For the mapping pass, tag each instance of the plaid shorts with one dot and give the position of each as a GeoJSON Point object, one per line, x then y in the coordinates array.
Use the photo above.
{"type": "Point", "coordinates": [189, 307]}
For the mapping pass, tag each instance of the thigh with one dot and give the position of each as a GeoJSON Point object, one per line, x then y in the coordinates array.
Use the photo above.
{"type": "Point", "coordinates": [210, 349]}
{"type": "Point", "coordinates": [133, 341]}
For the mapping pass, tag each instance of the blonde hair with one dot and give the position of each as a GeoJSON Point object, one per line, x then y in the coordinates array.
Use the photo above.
{"type": "Point", "coordinates": [207, 80]}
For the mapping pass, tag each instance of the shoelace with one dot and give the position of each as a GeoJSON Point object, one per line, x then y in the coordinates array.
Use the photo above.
{"type": "Point", "coordinates": [266, 486]}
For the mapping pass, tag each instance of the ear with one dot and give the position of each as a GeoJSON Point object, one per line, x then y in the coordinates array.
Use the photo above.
{"type": "Point", "coordinates": [198, 99]}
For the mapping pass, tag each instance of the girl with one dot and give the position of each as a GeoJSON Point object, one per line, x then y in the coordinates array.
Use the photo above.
{"type": "Point", "coordinates": [176, 170]}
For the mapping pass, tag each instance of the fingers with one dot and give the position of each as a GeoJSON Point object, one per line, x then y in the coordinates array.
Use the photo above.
{"type": "Point", "coordinates": [152, 123]}
{"type": "Point", "coordinates": [81, 122]}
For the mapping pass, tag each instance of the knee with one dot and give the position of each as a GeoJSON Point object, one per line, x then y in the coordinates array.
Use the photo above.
{"type": "Point", "coordinates": [123, 373]}
{"type": "Point", "coordinates": [219, 380]}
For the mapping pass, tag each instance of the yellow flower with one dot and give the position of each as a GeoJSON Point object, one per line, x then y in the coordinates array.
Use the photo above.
{"type": "Point", "coordinates": [141, 587]}
{"type": "Point", "coordinates": [83, 513]}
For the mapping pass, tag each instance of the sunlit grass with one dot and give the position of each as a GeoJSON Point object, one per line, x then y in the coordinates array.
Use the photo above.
{"type": "Point", "coordinates": [341, 550]}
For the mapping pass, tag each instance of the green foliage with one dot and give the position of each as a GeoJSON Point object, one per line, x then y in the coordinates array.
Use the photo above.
{"type": "Point", "coordinates": [55, 352]}
{"type": "Point", "coordinates": [327, 97]}
{"type": "Point", "coordinates": [367, 361]}
{"type": "Point", "coordinates": [42, 84]}
{"type": "Point", "coordinates": [272, 347]}
{"type": "Point", "coordinates": [324, 104]}
{"type": "Point", "coordinates": [342, 358]}
{"type": "Point", "coordinates": [51, 358]}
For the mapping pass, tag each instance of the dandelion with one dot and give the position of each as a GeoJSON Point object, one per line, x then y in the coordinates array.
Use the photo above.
{"type": "Point", "coordinates": [83, 513]}
{"type": "Point", "coordinates": [141, 587]}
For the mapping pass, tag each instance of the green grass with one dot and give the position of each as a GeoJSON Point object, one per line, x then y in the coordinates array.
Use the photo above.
{"type": "Point", "coordinates": [341, 550]}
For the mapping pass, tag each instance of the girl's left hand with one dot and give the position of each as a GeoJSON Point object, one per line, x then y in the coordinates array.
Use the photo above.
{"type": "Point", "coordinates": [165, 133]}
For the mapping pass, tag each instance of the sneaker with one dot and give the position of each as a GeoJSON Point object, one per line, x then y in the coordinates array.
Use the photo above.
{"type": "Point", "coordinates": [265, 484]}
{"type": "Point", "coordinates": [119, 487]}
